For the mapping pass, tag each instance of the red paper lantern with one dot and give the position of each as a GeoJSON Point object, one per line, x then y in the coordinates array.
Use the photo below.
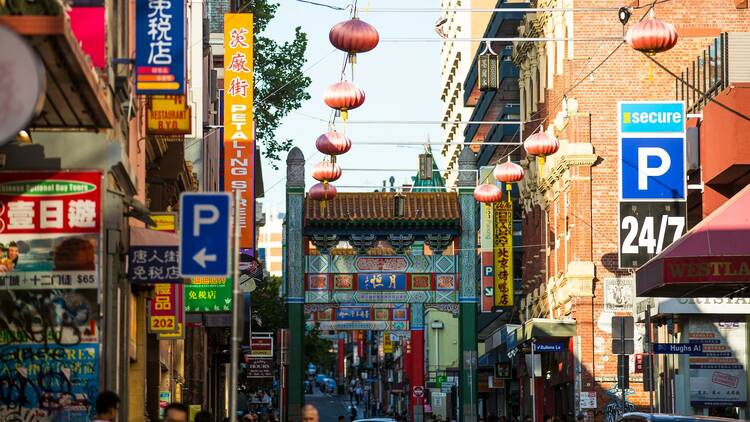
{"type": "Point", "coordinates": [652, 36]}
{"type": "Point", "coordinates": [326, 171]}
{"type": "Point", "coordinates": [354, 36]}
{"type": "Point", "coordinates": [508, 172]}
{"type": "Point", "coordinates": [333, 143]}
{"type": "Point", "coordinates": [322, 192]}
{"type": "Point", "coordinates": [486, 193]}
{"type": "Point", "coordinates": [541, 144]}
{"type": "Point", "coordinates": [344, 96]}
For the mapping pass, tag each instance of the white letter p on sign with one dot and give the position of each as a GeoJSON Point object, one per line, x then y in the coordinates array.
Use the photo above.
{"type": "Point", "coordinates": [199, 220]}
{"type": "Point", "coordinates": [644, 171]}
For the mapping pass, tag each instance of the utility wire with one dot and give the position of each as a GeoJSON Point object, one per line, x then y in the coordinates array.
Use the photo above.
{"type": "Point", "coordinates": [689, 85]}
{"type": "Point", "coordinates": [315, 3]}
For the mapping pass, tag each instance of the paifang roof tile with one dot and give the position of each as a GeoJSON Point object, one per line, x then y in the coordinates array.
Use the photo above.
{"type": "Point", "coordinates": [355, 207]}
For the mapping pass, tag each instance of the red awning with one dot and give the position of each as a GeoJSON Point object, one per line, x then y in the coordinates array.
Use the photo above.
{"type": "Point", "coordinates": [140, 236]}
{"type": "Point", "coordinates": [711, 260]}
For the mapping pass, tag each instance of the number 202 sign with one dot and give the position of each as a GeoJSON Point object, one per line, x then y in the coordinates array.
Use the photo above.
{"type": "Point", "coordinates": [646, 228]}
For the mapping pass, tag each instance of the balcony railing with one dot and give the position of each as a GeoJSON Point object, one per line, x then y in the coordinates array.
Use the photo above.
{"type": "Point", "coordinates": [724, 62]}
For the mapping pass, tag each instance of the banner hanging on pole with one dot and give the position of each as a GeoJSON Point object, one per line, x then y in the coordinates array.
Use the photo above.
{"type": "Point", "coordinates": [239, 142]}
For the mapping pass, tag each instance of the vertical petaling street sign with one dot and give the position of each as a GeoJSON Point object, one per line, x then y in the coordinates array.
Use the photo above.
{"type": "Point", "coordinates": [239, 142]}
{"type": "Point", "coordinates": [160, 47]}
{"type": "Point", "coordinates": [503, 250]}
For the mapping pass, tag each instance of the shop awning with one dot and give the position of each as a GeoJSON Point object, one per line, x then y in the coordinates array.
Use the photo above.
{"type": "Point", "coordinates": [140, 236]}
{"type": "Point", "coordinates": [711, 260]}
{"type": "Point", "coordinates": [540, 328]}
{"type": "Point", "coordinates": [75, 98]}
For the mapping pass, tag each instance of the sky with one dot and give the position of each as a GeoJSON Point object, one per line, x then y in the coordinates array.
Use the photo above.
{"type": "Point", "coordinates": [401, 81]}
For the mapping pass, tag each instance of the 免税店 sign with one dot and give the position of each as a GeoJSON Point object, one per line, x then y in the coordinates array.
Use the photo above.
{"type": "Point", "coordinates": [160, 47]}
{"type": "Point", "coordinates": [168, 115]}
{"type": "Point", "coordinates": [239, 142]}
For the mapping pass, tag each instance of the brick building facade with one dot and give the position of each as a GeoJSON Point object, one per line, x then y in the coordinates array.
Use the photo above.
{"type": "Point", "coordinates": [571, 89]}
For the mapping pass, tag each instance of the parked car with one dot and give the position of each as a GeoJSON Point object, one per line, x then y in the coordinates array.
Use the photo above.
{"type": "Point", "coordinates": [662, 417]}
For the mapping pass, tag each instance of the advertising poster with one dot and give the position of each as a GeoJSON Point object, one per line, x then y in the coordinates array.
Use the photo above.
{"type": "Point", "coordinates": [50, 226]}
{"type": "Point", "coordinates": [503, 253]}
{"type": "Point", "coordinates": [160, 47]}
{"type": "Point", "coordinates": [718, 374]}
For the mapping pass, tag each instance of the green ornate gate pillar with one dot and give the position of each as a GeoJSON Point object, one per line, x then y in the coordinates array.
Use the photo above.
{"type": "Point", "coordinates": [295, 273]}
{"type": "Point", "coordinates": [468, 295]}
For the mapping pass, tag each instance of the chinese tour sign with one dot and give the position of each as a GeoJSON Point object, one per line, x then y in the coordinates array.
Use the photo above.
{"type": "Point", "coordinates": [50, 225]}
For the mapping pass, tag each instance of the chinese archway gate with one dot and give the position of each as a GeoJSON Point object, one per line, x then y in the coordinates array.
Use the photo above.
{"type": "Point", "coordinates": [407, 252]}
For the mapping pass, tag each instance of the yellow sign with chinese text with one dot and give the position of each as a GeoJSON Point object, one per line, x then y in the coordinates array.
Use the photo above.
{"type": "Point", "coordinates": [239, 142]}
{"type": "Point", "coordinates": [168, 115]}
{"type": "Point", "coordinates": [387, 343]}
{"type": "Point", "coordinates": [502, 246]}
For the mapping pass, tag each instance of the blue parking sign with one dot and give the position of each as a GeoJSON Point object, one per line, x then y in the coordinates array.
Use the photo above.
{"type": "Point", "coordinates": [652, 168]}
{"type": "Point", "coordinates": [204, 234]}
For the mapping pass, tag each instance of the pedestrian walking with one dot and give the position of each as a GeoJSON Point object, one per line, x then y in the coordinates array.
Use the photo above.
{"type": "Point", "coordinates": [176, 412]}
{"type": "Point", "coordinates": [310, 414]}
{"type": "Point", "coordinates": [107, 403]}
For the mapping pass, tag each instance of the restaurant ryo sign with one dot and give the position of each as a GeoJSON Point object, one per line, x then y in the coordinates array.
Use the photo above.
{"type": "Point", "coordinates": [239, 142]}
{"type": "Point", "coordinates": [160, 47]}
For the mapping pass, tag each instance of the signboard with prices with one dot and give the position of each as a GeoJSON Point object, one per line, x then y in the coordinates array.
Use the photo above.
{"type": "Point", "coordinates": [50, 224]}
{"type": "Point", "coordinates": [239, 137]}
{"type": "Point", "coordinates": [160, 47]}
{"type": "Point", "coordinates": [718, 373]}
{"type": "Point", "coordinates": [503, 253]}
{"type": "Point", "coordinates": [652, 178]}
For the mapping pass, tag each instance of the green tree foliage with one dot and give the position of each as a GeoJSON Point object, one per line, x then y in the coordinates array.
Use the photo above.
{"type": "Point", "coordinates": [280, 85]}
{"type": "Point", "coordinates": [317, 351]}
{"type": "Point", "coordinates": [269, 314]}
{"type": "Point", "coordinates": [269, 310]}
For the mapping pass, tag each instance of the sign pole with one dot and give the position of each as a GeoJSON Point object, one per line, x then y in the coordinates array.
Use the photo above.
{"type": "Point", "coordinates": [533, 381]}
{"type": "Point", "coordinates": [650, 352]}
{"type": "Point", "coordinates": [622, 383]}
{"type": "Point", "coordinates": [236, 295]}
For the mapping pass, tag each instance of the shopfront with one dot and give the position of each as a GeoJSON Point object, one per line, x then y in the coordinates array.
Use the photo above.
{"type": "Point", "coordinates": [710, 376]}
{"type": "Point", "coordinates": [545, 356]}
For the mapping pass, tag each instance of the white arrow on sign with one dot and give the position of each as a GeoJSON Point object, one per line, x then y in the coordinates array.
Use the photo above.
{"type": "Point", "coordinates": [201, 258]}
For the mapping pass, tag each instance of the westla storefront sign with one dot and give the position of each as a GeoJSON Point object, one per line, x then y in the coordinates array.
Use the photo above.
{"type": "Point", "coordinates": [50, 202]}
{"type": "Point", "coordinates": [707, 269]}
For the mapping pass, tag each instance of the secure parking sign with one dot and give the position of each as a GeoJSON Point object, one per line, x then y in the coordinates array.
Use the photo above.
{"type": "Point", "coordinates": [652, 151]}
{"type": "Point", "coordinates": [652, 178]}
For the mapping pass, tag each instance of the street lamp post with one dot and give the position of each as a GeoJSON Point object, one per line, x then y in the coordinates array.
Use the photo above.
{"type": "Point", "coordinates": [437, 325]}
